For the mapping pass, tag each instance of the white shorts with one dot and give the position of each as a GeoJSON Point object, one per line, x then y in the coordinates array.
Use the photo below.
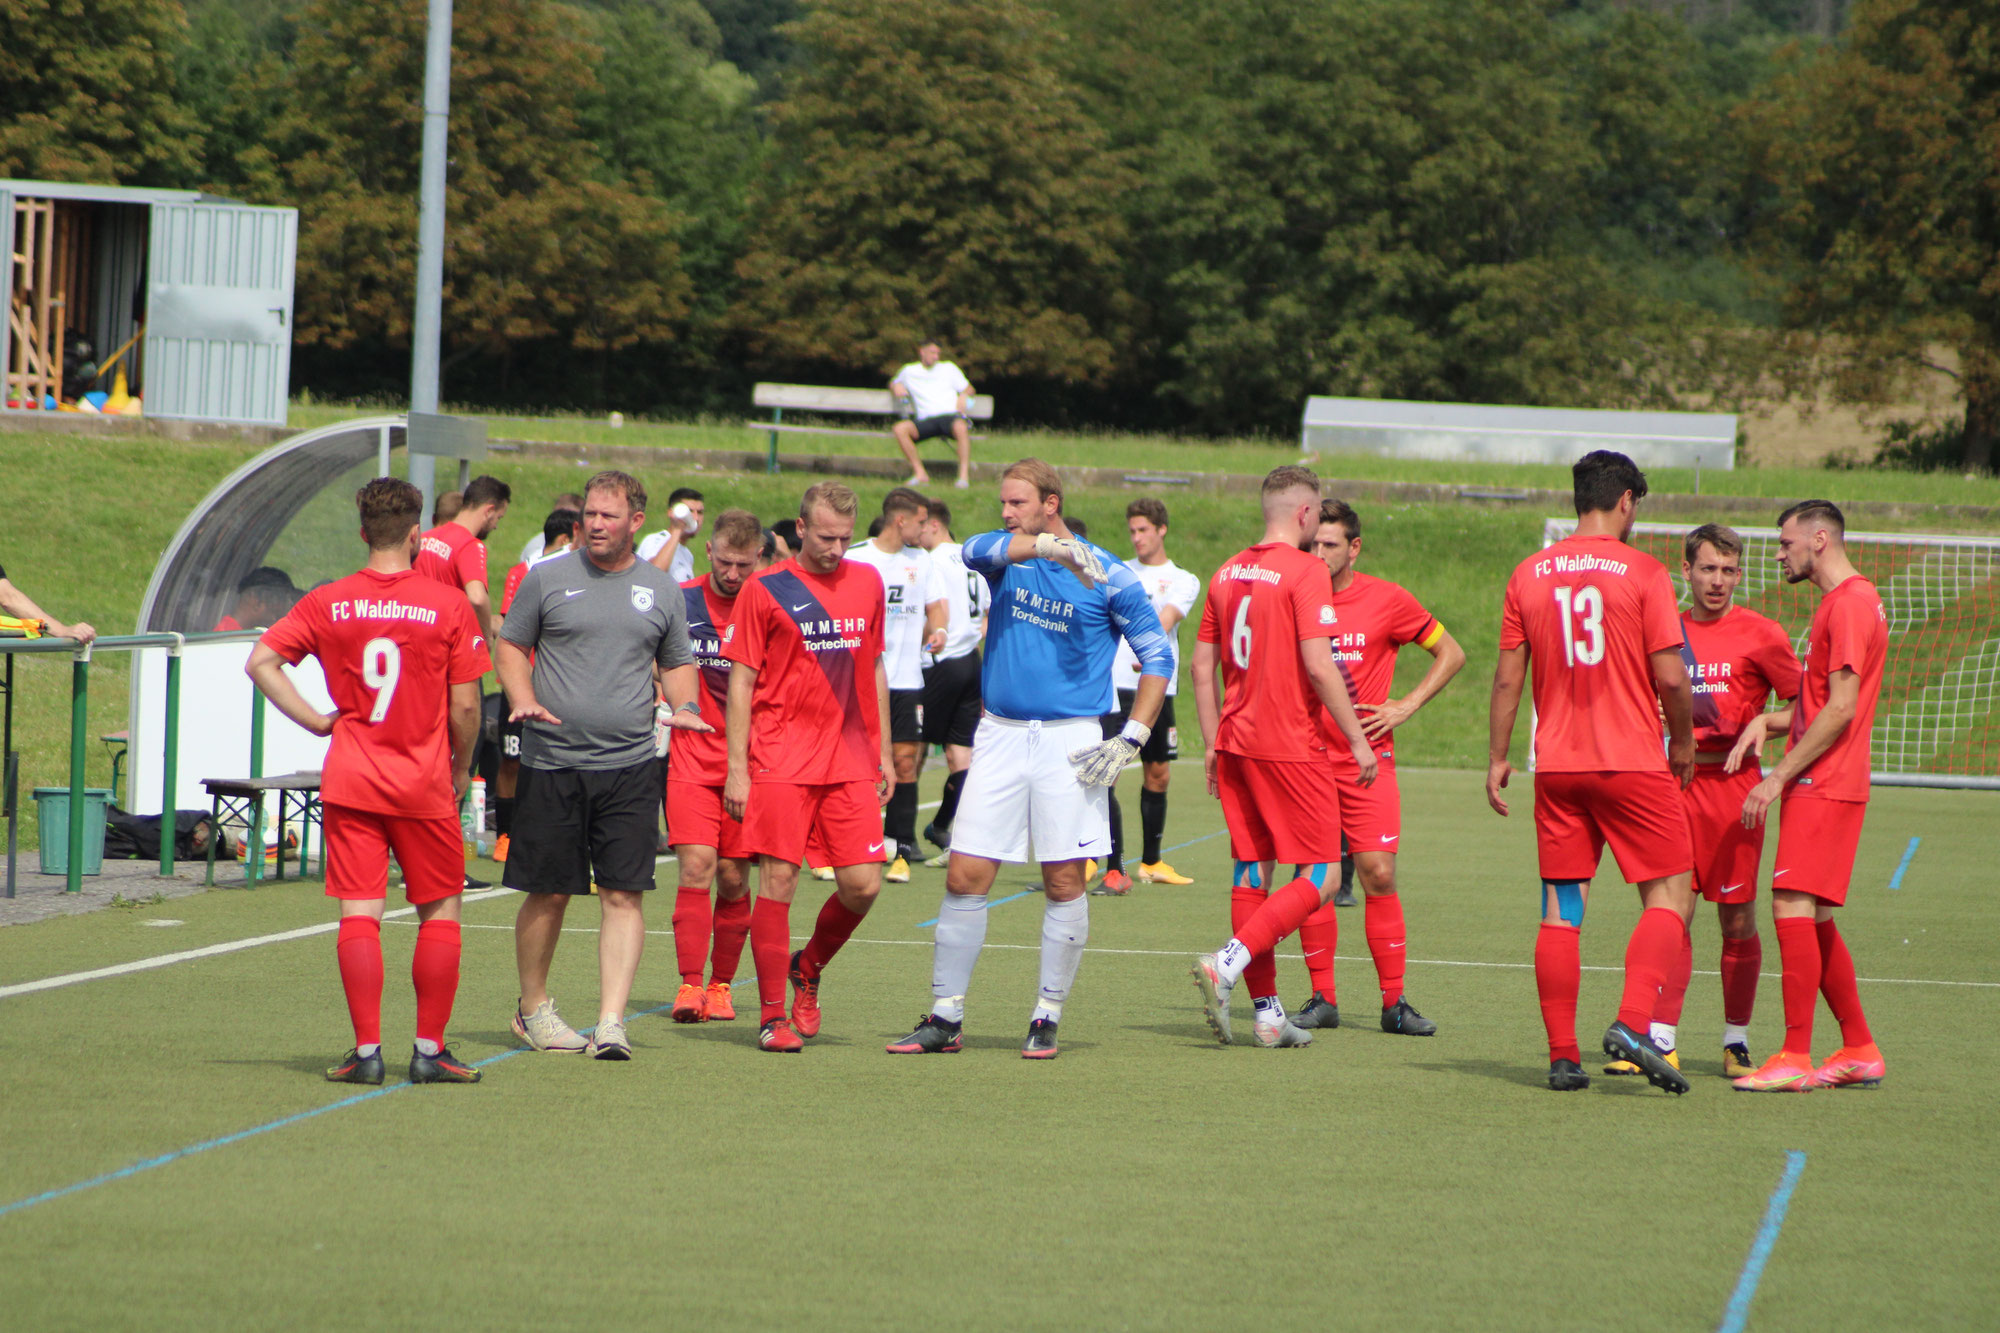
{"type": "Point", "coordinates": [1021, 785]}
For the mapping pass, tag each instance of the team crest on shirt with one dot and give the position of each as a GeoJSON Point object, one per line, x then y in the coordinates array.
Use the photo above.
{"type": "Point", "coordinates": [1326, 616]}
{"type": "Point", "coordinates": [642, 598]}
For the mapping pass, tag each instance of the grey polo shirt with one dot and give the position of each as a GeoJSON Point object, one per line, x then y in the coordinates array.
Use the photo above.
{"type": "Point", "coordinates": [595, 638]}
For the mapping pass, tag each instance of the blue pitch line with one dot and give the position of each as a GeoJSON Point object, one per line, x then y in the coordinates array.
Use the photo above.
{"type": "Point", "coordinates": [1909, 853]}
{"type": "Point", "coordinates": [924, 925]}
{"type": "Point", "coordinates": [164, 1159]}
{"type": "Point", "coordinates": [1738, 1311]}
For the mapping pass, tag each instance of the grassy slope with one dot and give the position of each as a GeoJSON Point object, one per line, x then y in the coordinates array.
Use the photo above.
{"type": "Point", "coordinates": [1147, 1179]}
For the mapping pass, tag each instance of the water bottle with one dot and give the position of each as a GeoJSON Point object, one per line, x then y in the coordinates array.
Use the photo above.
{"type": "Point", "coordinates": [472, 818]}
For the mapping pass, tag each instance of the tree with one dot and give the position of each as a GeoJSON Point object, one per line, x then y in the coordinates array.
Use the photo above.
{"type": "Point", "coordinates": [1876, 167]}
{"type": "Point", "coordinates": [543, 243]}
{"type": "Point", "coordinates": [87, 92]}
{"type": "Point", "coordinates": [931, 174]}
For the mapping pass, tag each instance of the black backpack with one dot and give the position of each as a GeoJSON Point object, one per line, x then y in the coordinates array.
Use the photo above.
{"type": "Point", "coordinates": [129, 837]}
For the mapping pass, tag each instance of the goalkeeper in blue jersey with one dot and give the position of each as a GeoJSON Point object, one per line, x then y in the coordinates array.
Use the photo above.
{"type": "Point", "coordinates": [1041, 767]}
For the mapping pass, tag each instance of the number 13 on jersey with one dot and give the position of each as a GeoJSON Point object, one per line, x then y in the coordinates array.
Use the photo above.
{"type": "Point", "coordinates": [1583, 624]}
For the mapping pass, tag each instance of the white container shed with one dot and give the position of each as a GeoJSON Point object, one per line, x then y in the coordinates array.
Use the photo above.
{"type": "Point", "coordinates": [201, 287]}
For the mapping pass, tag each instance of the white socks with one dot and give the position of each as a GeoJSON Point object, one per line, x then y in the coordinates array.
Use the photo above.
{"type": "Point", "coordinates": [427, 1048]}
{"type": "Point", "coordinates": [1065, 928]}
{"type": "Point", "coordinates": [1231, 961]}
{"type": "Point", "coordinates": [1735, 1035]}
{"type": "Point", "coordinates": [1663, 1036]}
{"type": "Point", "coordinates": [961, 933]}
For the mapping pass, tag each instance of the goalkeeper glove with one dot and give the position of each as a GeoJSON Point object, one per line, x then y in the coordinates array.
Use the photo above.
{"type": "Point", "coordinates": [1073, 554]}
{"type": "Point", "coordinates": [1099, 765]}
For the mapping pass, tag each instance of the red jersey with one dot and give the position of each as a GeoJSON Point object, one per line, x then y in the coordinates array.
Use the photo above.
{"type": "Point", "coordinates": [1592, 611]}
{"type": "Point", "coordinates": [452, 555]}
{"type": "Point", "coordinates": [391, 645]}
{"type": "Point", "coordinates": [1737, 662]}
{"type": "Point", "coordinates": [1261, 605]}
{"type": "Point", "coordinates": [513, 584]}
{"type": "Point", "coordinates": [1849, 630]}
{"type": "Point", "coordinates": [226, 625]}
{"type": "Point", "coordinates": [814, 640]}
{"type": "Point", "coordinates": [1373, 619]}
{"type": "Point", "coordinates": [698, 756]}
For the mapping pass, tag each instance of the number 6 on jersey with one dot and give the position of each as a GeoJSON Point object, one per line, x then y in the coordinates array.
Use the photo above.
{"type": "Point", "coordinates": [381, 667]}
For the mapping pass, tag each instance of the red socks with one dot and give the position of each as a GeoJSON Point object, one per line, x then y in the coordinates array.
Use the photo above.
{"type": "Point", "coordinates": [1558, 977]}
{"type": "Point", "coordinates": [1260, 978]}
{"type": "Point", "coordinates": [731, 927]}
{"type": "Point", "coordinates": [836, 922]}
{"type": "Point", "coordinates": [1836, 982]}
{"type": "Point", "coordinates": [1651, 955]}
{"type": "Point", "coordinates": [434, 972]}
{"type": "Point", "coordinates": [1282, 913]}
{"type": "Point", "coordinates": [1673, 993]}
{"type": "Point", "coordinates": [771, 951]}
{"type": "Point", "coordinates": [1798, 947]}
{"type": "Point", "coordinates": [1383, 920]}
{"type": "Point", "coordinates": [1741, 962]}
{"type": "Point", "coordinates": [1320, 938]}
{"type": "Point", "coordinates": [692, 920]}
{"type": "Point", "coordinates": [359, 952]}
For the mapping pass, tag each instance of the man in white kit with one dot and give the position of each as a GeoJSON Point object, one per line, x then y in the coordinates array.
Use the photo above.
{"type": "Point", "coordinates": [953, 704]}
{"type": "Point", "coordinates": [936, 394]}
{"type": "Point", "coordinates": [914, 601]}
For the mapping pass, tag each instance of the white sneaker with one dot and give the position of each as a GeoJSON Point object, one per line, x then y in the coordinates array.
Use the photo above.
{"type": "Point", "coordinates": [544, 1030]}
{"type": "Point", "coordinates": [1281, 1031]}
{"type": "Point", "coordinates": [608, 1042]}
{"type": "Point", "coordinates": [1207, 972]}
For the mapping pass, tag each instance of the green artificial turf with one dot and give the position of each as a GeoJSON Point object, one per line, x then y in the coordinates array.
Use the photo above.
{"type": "Point", "coordinates": [1146, 1179]}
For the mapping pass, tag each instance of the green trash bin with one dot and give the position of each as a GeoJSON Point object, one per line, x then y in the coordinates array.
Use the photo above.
{"type": "Point", "coordinates": [52, 811]}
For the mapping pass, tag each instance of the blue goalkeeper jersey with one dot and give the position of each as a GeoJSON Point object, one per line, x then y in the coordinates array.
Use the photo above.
{"type": "Point", "coordinates": [1050, 641]}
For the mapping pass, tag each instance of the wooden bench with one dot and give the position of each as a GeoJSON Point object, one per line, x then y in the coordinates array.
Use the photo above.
{"type": "Point", "coordinates": [241, 800]}
{"type": "Point", "coordinates": [826, 399]}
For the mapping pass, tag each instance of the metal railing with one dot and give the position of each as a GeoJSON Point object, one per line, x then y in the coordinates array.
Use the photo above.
{"type": "Point", "coordinates": [79, 734]}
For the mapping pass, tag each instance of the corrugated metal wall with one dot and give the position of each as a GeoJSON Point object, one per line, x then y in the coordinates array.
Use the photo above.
{"type": "Point", "coordinates": [219, 312]}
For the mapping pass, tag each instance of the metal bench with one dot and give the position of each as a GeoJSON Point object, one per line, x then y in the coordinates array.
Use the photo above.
{"type": "Point", "coordinates": [242, 800]}
{"type": "Point", "coordinates": [826, 399]}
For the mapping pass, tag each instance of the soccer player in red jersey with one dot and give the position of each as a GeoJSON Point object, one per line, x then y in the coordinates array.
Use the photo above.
{"type": "Point", "coordinates": [402, 659]}
{"type": "Point", "coordinates": [1599, 622]}
{"type": "Point", "coordinates": [1268, 623]}
{"type": "Point", "coordinates": [1738, 660]}
{"type": "Point", "coordinates": [1823, 784]}
{"type": "Point", "coordinates": [454, 552]}
{"type": "Point", "coordinates": [1373, 619]}
{"type": "Point", "coordinates": [708, 843]}
{"type": "Point", "coordinates": [809, 764]}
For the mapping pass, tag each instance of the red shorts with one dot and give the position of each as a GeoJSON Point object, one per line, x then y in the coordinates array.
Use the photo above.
{"type": "Point", "coordinates": [1279, 810]}
{"type": "Point", "coordinates": [837, 824]}
{"type": "Point", "coordinates": [695, 818]}
{"type": "Point", "coordinates": [1817, 838]}
{"type": "Point", "coordinates": [431, 852]}
{"type": "Point", "coordinates": [1639, 814]}
{"type": "Point", "coordinates": [1725, 853]}
{"type": "Point", "coordinates": [1371, 818]}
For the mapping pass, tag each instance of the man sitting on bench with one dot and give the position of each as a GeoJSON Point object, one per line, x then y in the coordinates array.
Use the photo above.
{"type": "Point", "coordinates": [934, 395]}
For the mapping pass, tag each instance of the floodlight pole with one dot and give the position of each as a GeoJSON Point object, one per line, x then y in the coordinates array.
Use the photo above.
{"type": "Point", "coordinates": [428, 316]}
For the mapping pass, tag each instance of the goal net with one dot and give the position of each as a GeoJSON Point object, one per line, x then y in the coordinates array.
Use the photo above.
{"type": "Point", "coordinates": [1937, 723]}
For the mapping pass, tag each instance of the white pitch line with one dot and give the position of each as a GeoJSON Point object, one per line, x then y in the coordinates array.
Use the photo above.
{"type": "Point", "coordinates": [207, 951]}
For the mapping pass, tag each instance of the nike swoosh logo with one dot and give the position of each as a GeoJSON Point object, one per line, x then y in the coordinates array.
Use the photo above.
{"type": "Point", "coordinates": [1776, 873]}
{"type": "Point", "coordinates": [1731, 888]}
{"type": "Point", "coordinates": [572, 592]}
{"type": "Point", "coordinates": [876, 848]}
{"type": "Point", "coordinates": [1390, 837]}
{"type": "Point", "coordinates": [802, 606]}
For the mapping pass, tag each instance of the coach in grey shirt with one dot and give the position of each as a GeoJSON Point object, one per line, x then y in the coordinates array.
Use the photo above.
{"type": "Point", "coordinates": [606, 632]}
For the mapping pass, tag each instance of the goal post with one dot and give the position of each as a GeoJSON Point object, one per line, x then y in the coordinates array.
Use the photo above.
{"type": "Point", "coordinates": [1937, 723]}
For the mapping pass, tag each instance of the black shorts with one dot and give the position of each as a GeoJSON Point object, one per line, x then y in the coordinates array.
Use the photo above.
{"type": "Point", "coordinates": [906, 717]}
{"type": "Point", "coordinates": [1164, 745]}
{"type": "Point", "coordinates": [571, 822]}
{"type": "Point", "coordinates": [937, 427]}
{"type": "Point", "coordinates": [952, 704]}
